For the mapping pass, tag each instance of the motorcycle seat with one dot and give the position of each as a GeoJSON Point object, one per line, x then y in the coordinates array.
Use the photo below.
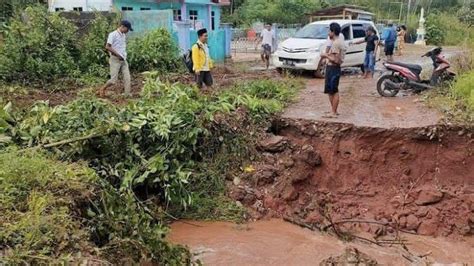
{"type": "Point", "coordinates": [415, 68]}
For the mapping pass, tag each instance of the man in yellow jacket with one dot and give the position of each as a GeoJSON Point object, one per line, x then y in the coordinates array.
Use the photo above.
{"type": "Point", "coordinates": [202, 62]}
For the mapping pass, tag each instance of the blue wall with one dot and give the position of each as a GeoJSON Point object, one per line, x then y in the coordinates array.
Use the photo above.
{"type": "Point", "coordinates": [143, 21]}
{"type": "Point", "coordinates": [201, 6]}
{"type": "Point", "coordinates": [216, 43]}
{"type": "Point", "coordinates": [136, 5]}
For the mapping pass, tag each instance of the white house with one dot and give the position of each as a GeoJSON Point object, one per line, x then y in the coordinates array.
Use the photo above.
{"type": "Point", "coordinates": [80, 5]}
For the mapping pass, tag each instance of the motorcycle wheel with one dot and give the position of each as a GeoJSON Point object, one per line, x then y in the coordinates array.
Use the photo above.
{"type": "Point", "coordinates": [382, 88]}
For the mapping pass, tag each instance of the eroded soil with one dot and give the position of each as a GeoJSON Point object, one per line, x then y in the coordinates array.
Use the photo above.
{"type": "Point", "coordinates": [419, 180]}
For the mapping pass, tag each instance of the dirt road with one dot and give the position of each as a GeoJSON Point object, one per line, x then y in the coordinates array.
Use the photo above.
{"type": "Point", "coordinates": [360, 103]}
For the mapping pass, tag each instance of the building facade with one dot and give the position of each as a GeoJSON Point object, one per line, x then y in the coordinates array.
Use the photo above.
{"type": "Point", "coordinates": [199, 13]}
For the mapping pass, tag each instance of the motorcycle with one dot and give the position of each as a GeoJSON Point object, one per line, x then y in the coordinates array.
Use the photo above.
{"type": "Point", "coordinates": [407, 76]}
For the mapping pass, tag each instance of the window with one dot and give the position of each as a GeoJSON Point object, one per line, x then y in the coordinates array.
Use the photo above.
{"type": "Point", "coordinates": [57, 9]}
{"type": "Point", "coordinates": [313, 31]}
{"type": "Point", "coordinates": [177, 15]}
{"type": "Point", "coordinates": [127, 8]}
{"type": "Point", "coordinates": [79, 9]}
{"type": "Point", "coordinates": [213, 20]}
{"type": "Point", "coordinates": [145, 8]}
{"type": "Point", "coordinates": [346, 31]}
{"type": "Point", "coordinates": [193, 15]}
{"type": "Point", "coordinates": [358, 31]}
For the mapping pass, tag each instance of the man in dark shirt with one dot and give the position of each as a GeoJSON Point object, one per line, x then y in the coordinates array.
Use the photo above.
{"type": "Point", "coordinates": [372, 41]}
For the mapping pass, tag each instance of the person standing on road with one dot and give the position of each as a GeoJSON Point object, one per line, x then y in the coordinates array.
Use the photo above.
{"type": "Point", "coordinates": [266, 38]}
{"type": "Point", "coordinates": [334, 58]}
{"type": "Point", "coordinates": [401, 39]}
{"type": "Point", "coordinates": [117, 48]}
{"type": "Point", "coordinates": [389, 37]}
{"type": "Point", "coordinates": [372, 41]}
{"type": "Point", "coordinates": [202, 62]}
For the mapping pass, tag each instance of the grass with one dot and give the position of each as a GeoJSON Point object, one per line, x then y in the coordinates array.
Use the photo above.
{"type": "Point", "coordinates": [56, 212]}
{"type": "Point", "coordinates": [40, 202]}
{"type": "Point", "coordinates": [455, 101]}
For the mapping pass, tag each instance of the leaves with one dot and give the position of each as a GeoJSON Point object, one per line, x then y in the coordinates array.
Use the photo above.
{"type": "Point", "coordinates": [156, 51]}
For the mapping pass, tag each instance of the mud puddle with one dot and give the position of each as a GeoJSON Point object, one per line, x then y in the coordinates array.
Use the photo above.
{"type": "Point", "coordinates": [275, 242]}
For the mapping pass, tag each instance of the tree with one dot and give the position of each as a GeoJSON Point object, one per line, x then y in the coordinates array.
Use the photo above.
{"type": "Point", "coordinates": [276, 11]}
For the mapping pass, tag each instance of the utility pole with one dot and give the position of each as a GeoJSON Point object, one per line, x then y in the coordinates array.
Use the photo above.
{"type": "Point", "coordinates": [408, 11]}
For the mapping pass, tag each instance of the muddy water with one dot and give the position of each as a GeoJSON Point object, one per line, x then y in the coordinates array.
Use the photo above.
{"type": "Point", "coordinates": [275, 242]}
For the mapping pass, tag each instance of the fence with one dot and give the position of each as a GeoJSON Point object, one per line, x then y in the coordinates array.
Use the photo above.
{"type": "Point", "coordinates": [246, 40]}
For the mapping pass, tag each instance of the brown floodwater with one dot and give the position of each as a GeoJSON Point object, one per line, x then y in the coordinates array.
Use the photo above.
{"type": "Point", "coordinates": [275, 242]}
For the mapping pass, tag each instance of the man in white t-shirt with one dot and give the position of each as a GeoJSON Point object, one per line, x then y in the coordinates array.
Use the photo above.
{"type": "Point", "coordinates": [266, 38]}
{"type": "Point", "coordinates": [117, 48]}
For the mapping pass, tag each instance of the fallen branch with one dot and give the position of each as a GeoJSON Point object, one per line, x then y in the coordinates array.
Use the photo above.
{"type": "Point", "coordinates": [69, 141]}
{"type": "Point", "coordinates": [367, 222]}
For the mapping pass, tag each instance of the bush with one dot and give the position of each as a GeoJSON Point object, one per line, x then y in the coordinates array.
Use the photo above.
{"type": "Point", "coordinates": [156, 51]}
{"type": "Point", "coordinates": [446, 29]}
{"type": "Point", "coordinates": [94, 58]}
{"type": "Point", "coordinates": [164, 148]}
{"type": "Point", "coordinates": [57, 213]}
{"type": "Point", "coordinates": [40, 201]}
{"type": "Point", "coordinates": [38, 47]}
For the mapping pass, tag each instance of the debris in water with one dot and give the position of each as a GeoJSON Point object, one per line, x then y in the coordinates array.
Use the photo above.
{"type": "Point", "coordinates": [351, 256]}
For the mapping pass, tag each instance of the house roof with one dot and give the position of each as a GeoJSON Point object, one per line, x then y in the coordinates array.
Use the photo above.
{"type": "Point", "coordinates": [337, 10]}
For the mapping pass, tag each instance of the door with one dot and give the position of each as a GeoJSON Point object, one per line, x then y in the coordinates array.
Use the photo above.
{"type": "Point", "coordinates": [355, 53]}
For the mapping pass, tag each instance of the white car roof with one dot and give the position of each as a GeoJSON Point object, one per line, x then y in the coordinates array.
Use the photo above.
{"type": "Point", "coordinates": [342, 21]}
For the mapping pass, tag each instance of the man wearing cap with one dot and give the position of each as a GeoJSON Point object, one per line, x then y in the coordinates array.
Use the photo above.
{"type": "Point", "coordinates": [202, 62]}
{"type": "Point", "coordinates": [117, 48]}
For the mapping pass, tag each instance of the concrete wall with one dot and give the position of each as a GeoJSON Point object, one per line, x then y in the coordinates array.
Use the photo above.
{"type": "Point", "coordinates": [143, 21]}
{"type": "Point", "coordinates": [137, 5]}
{"type": "Point", "coordinates": [87, 5]}
{"type": "Point", "coordinates": [216, 43]}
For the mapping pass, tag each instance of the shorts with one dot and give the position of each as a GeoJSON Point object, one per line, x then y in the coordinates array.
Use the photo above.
{"type": "Point", "coordinates": [333, 74]}
{"type": "Point", "coordinates": [267, 49]}
{"type": "Point", "coordinates": [389, 48]}
{"type": "Point", "coordinates": [204, 77]}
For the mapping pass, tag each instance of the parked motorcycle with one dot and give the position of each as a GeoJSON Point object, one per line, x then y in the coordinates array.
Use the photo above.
{"type": "Point", "coordinates": [407, 76]}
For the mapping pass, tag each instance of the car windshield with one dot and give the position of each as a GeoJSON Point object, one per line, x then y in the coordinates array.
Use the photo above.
{"type": "Point", "coordinates": [313, 31]}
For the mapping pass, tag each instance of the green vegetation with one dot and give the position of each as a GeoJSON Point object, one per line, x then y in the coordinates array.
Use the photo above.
{"type": "Point", "coordinates": [456, 101]}
{"type": "Point", "coordinates": [41, 48]}
{"type": "Point", "coordinates": [447, 29]}
{"type": "Point", "coordinates": [245, 12]}
{"type": "Point", "coordinates": [93, 62]}
{"type": "Point", "coordinates": [39, 199]}
{"type": "Point", "coordinates": [154, 51]}
{"type": "Point", "coordinates": [55, 212]}
{"type": "Point", "coordinates": [166, 153]}
{"type": "Point", "coordinates": [464, 89]}
{"type": "Point", "coordinates": [278, 11]}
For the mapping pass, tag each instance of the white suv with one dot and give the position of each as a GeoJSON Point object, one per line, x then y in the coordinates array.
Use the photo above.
{"type": "Point", "coordinates": [303, 50]}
